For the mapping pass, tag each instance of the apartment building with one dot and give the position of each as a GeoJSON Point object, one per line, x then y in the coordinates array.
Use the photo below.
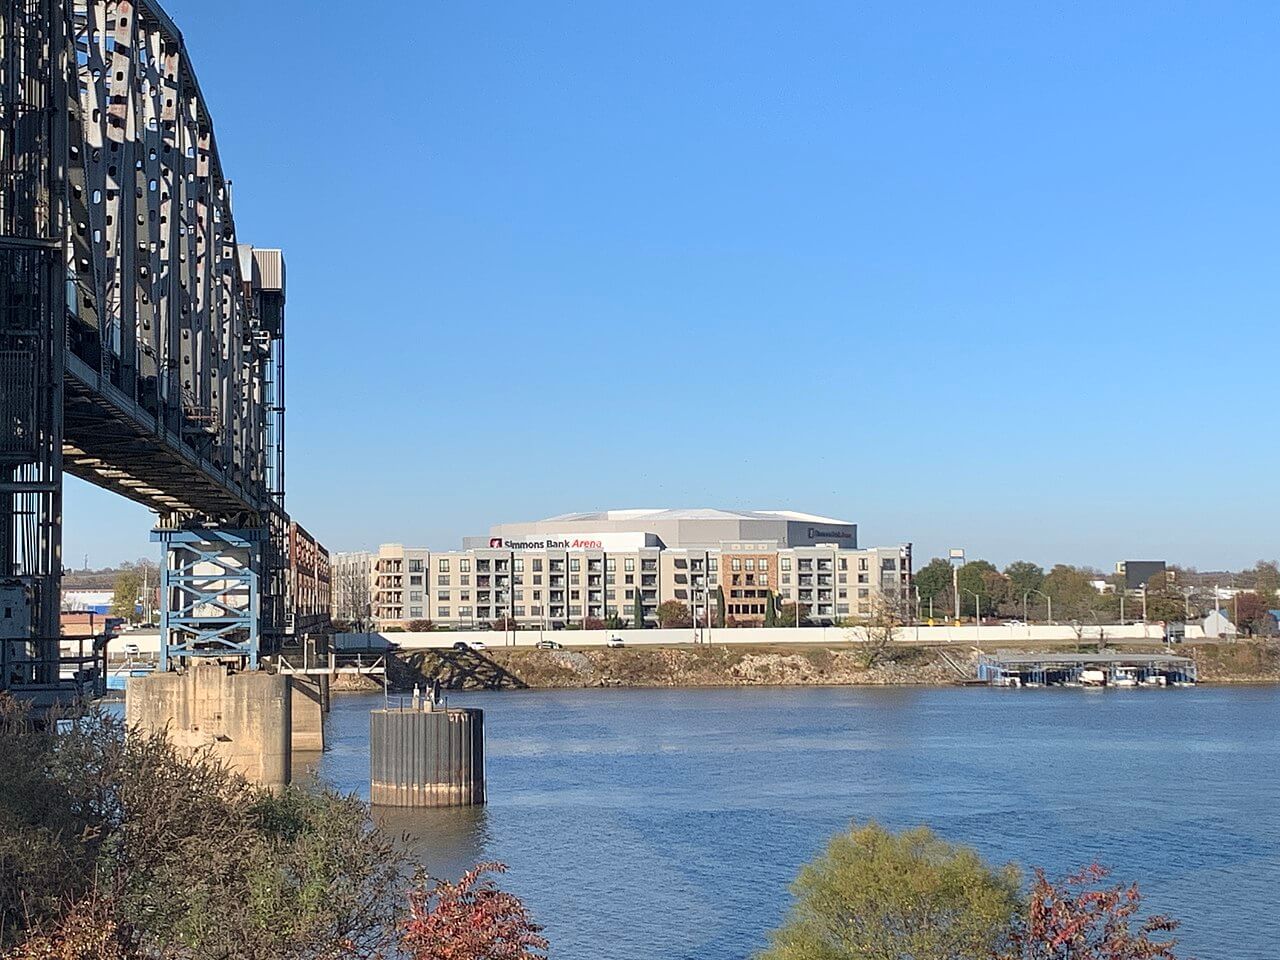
{"type": "Point", "coordinates": [308, 582]}
{"type": "Point", "coordinates": [351, 587]}
{"type": "Point", "coordinates": [626, 563]}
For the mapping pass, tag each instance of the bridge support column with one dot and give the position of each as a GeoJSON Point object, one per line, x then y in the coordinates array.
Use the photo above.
{"type": "Point", "coordinates": [210, 599]}
{"type": "Point", "coordinates": [243, 719]}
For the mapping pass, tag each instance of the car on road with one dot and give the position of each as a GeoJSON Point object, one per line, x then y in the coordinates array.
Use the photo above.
{"type": "Point", "coordinates": [549, 645]}
{"type": "Point", "coordinates": [615, 642]}
{"type": "Point", "coordinates": [469, 645]}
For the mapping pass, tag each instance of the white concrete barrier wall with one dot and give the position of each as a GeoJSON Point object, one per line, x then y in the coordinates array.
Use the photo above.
{"type": "Point", "coordinates": [987, 636]}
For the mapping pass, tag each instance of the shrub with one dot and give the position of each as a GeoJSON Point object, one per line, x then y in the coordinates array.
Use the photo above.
{"type": "Point", "coordinates": [911, 895]}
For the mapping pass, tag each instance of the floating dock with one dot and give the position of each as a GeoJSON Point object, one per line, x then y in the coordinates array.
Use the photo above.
{"type": "Point", "coordinates": [1003, 669]}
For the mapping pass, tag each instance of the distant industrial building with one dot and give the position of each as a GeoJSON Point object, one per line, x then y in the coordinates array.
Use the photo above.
{"type": "Point", "coordinates": [625, 563]}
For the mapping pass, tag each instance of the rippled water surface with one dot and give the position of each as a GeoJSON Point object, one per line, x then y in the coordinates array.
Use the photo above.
{"type": "Point", "coordinates": [656, 824]}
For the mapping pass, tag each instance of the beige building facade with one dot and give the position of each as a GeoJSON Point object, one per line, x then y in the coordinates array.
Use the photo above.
{"type": "Point", "coordinates": [622, 565]}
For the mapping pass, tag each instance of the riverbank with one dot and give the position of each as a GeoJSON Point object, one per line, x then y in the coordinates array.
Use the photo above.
{"type": "Point", "coordinates": [721, 666]}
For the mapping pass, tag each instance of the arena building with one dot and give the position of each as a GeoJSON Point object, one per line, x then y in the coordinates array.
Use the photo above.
{"type": "Point", "coordinates": [623, 564]}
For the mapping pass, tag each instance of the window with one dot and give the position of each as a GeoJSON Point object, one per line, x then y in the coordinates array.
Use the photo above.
{"type": "Point", "coordinates": [537, 579]}
{"type": "Point", "coordinates": [519, 565]}
{"type": "Point", "coordinates": [442, 595]}
{"type": "Point", "coordinates": [575, 611]}
{"type": "Point", "coordinates": [785, 563]}
{"type": "Point", "coordinates": [464, 611]}
{"type": "Point", "coordinates": [862, 563]}
{"type": "Point", "coordinates": [844, 563]}
{"type": "Point", "coordinates": [713, 563]}
{"type": "Point", "coordinates": [574, 565]}
{"type": "Point", "coordinates": [537, 594]}
{"type": "Point", "coordinates": [537, 564]}
{"type": "Point", "coordinates": [628, 578]}
{"type": "Point", "coordinates": [751, 564]}
{"type": "Point", "coordinates": [631, 594]}
{"type": "Point", "coordinates": [415, 581]}
{"type": "Point", "coordinates": [863, 593]}
{"type": "Point", "coordinates": [464, 579]}
{"type": "Point", "coordinates": [786, 578]}
{"type": "Point", "coordinates": [415, 566]}
{"type": "Point", "coordinates": [415, 596]}
{"type": "Point", "coordinates": [611, 564]}
{"type": "Point", "coordinates": [519, 611]}
{"type": "Point", "coordinates": [842, 578]}
{"type": "Point", "coordinates": [735, 564]}
{"type": "Point", "coordinates": [763, 580]}
{"type": "Point", "coordinates": [573, 595]}
{"type": "Point", "coordinates": [764, 564]}
{"type": "Point", "coordinates": [443, 565]}
{"type": "Point", "coordinates": [889, 563]}
{"type": "Point", "coordinates": [442, 613]}
{"type": "Point", "coordinates": [863, 578]}
{"type": "Point", "coordinates": [464, 565]}
{"type": "Point", "coordinates": [630, 565]}
{"type": "Point", "coordinates": [442, 581]}
{"type": "Point", "coordinates": [415, 612]}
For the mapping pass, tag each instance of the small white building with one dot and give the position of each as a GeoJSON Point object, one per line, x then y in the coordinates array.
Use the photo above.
{"type": "Point", "coordinates": [1217, 624]}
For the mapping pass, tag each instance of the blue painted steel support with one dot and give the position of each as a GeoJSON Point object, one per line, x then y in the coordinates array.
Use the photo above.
{"type": "Point", "coordinates": [210, 594]}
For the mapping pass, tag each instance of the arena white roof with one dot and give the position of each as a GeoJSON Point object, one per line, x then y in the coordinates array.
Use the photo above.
{"type": "Point", "coordinates": [695, 513]}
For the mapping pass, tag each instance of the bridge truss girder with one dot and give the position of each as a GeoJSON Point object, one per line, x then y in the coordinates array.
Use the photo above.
{"type": "Point", "coordinates": [141, 346]}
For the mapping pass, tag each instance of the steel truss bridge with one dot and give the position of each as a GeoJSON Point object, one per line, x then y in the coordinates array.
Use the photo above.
{"type": "Point", "coordinates": [141, 344]}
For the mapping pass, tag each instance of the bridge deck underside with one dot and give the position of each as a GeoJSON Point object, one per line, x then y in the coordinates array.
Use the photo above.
{"type": "Point", "coordinates": [113, 443]}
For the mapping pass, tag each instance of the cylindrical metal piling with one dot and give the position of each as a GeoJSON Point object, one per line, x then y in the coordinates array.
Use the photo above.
{"type": "Point", "coordinates": [426, 758]}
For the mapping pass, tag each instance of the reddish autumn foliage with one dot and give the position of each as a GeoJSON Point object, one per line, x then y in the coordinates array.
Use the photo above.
{"type": "Point", "coordinates": [1080, 919]}
{"type": "Point", "coordinates": [471, 920]}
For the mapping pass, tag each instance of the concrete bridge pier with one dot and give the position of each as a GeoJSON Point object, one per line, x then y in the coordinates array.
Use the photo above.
{"type": "Point", "coordinates": [252, 721]}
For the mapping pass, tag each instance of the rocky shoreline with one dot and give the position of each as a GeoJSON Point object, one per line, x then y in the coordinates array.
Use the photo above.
{"type": "Point", "coordinates": [720, 666]}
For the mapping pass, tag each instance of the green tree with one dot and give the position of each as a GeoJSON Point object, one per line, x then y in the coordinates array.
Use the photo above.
{"type": "Point", "coordinates": [673, 613]}
{"type": "Point", "coordinates": [637, 611]}
{"type": "Point", "coordinates": [1074, 597]}
{"type": "Point", "coordinates": [720, 608]}
{"type": "Point", "coordinates": [771, 611]}
{"type": "Point", "coordinates": [1266, 580]}
{"type": "Point", "coordinates": [1024, 576]}
{"type": "Point", "coordinates": [975, 577]}
{"type": "Point", "coordinates": [933, 580]}
{"type": "Point", "coordinates": [874, 894]}
{"type": "Point", "coordinates": [128, 588]}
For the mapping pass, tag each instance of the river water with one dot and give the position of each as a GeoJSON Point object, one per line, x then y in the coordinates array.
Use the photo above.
{"type": "Point", "coordinates": [667, 824]}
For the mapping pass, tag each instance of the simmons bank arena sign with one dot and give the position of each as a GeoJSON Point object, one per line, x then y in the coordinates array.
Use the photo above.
{"type": "Point", "coordinates": [606, 542]}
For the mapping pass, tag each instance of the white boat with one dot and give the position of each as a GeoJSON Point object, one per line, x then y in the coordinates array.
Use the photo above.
{"type": "Point", "coordinates": [1156, 680]}
{"type": "Point", "coordinates": [1092, 678]}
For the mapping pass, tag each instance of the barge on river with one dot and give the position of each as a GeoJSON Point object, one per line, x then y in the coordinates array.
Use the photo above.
{"type": "Point", "coordinates": [1007, 669]}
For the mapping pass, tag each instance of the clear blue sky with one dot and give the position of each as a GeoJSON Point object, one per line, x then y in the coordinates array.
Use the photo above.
{"type": "Point", "coordinates": [997, 275]}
